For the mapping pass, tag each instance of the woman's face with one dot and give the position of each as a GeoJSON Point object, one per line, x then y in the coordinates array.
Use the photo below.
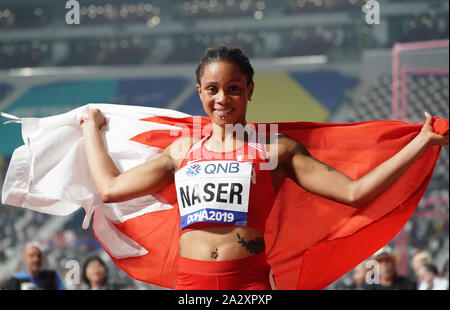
{"type": "Point", "coordinates": [95, 272]}
{"type": "Point", "coordinates": [224, 93]}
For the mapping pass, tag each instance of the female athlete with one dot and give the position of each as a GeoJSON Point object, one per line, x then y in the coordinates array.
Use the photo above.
{"type": "Point", "coordinates": [230, 252]}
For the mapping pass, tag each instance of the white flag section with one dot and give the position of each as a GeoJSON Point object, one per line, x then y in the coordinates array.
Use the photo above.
{"type": "Point", "coordinates": [50, 174]}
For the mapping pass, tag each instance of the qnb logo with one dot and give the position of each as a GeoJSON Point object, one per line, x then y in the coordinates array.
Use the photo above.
{"type": "Point", "coordinates": [73, 15]}
{"type": "Point", "coordinates": [193, 170]}
{"type": "Point", "coordinates": [224, 168]}
{"type": "Point", "coordinates": [372, 10]}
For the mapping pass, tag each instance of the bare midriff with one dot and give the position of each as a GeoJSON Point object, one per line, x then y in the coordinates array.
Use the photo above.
{"type": "Point", "coordinates": [221, 243]}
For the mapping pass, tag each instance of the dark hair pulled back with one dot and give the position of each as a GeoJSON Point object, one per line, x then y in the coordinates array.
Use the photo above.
{"type": "Point", "coordinates": [225, 53]}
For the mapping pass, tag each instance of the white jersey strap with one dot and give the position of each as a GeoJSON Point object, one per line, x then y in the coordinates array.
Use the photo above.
{"type": "Point", "coordinates": [196, 145]}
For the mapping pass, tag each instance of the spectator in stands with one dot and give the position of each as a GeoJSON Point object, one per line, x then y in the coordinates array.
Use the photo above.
{"type": "Point", "coordinates": [430, 279]}
{"type": "Point", "coordinates": [359, 276]}
{"type": "Point", "coordinates": [418, 260]}
{"type": "Point", "coordinates": [444, 272]}
{"type": "Point", "coordinates": [33, 277]}
{"type": "Point", "coordinates": [95, 274]}
{"type": "Point", "coordinates": [389, 279]}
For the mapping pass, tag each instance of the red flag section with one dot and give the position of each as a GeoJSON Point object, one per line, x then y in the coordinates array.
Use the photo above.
{"type": "Point", "coordinates": [310, 241]}
{"type": "Point", "coordinates": [192, 125]}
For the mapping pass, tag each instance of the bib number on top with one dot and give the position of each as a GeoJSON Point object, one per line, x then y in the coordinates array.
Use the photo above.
{"type": "Point", "coordinates": [213, 191]}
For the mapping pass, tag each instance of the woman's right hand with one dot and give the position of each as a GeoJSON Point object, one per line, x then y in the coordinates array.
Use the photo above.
{"type": "Point", "coordinates": [96, 117]}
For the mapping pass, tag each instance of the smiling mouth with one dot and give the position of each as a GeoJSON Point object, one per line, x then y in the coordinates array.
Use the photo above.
{"type": "Point", "coordinates": [223, 113]}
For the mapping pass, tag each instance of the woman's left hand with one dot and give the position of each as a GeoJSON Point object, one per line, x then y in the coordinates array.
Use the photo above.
{"type": "Point", "coordinates": [430, 136]}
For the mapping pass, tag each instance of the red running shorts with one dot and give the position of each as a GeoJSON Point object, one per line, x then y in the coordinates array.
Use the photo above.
{"type": "Point", "coordinates": [248, 273]}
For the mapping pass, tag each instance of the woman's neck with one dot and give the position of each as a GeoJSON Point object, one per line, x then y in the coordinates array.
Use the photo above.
{"type": "Point", "coordinates": [228, 131]}
{"type": "Point", "coordinates": [228, 137]}
{"type": "Point", "coordinates": [95, 286]}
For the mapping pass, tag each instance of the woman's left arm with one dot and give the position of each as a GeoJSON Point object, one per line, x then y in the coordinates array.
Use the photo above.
{"type": "Point", "coordinates": [328, 182]}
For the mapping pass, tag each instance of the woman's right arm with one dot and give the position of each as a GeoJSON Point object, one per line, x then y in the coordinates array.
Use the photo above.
{"type": "Point", "coordinates": [114, 186]}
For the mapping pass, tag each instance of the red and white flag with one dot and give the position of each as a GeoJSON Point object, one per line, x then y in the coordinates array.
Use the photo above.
{"type": "Point", "coordinates": [310, 241]}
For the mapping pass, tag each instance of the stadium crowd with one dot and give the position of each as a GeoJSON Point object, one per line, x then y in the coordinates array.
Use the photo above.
{"type": "Point", "coordinates": [101, 47]}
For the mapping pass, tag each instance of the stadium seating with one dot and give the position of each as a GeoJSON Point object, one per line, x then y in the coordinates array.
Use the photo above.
{"type": "Point", "coordinates": [59, 97]}
{"type": "Point", "coordinates": [328, 87]}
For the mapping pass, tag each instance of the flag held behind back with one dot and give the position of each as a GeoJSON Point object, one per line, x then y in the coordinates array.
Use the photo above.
{"type": "Point", "coordinates": [310, 241]}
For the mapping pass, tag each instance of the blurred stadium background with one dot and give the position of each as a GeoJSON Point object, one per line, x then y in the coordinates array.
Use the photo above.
{"type": "Point", "coordinates": [316, 60]}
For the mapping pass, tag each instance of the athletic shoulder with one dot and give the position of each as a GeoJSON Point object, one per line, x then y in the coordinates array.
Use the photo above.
{"type": "Point", "coordinates": [178, 149]}
{"type": "Point", "coordinates": [285, 145]}
{"type": "Point", "coordinates": [182, 143]}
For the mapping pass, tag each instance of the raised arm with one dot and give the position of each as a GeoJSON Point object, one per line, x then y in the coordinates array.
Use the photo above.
{"type": "Point", "coordinates": [323, 180]}
{"type": "Point", "coordinates": [116, 186]}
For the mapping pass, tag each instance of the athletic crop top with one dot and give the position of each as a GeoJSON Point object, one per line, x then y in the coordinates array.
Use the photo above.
{"type": "Point", "coordinates": [216, 189]}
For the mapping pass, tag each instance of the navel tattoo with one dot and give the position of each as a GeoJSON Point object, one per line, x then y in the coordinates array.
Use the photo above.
{"type": "Point", "coordinates": [253, 246]}
{"type": "Point", "coordinates": [215, 254]}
